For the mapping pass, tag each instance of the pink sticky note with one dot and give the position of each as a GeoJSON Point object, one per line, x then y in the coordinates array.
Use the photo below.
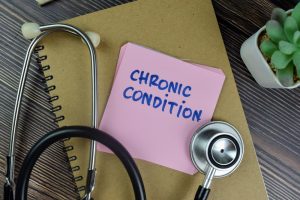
{"type": "Point", "coordinates": [155, 121]}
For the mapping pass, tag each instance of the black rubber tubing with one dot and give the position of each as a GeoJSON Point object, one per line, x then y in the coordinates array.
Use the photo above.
{"type": "Point", "coordinates": [81, 132]}
{"type": "Point", "coordinates": [8, 192]}
{"type": "Point", "coordinates": [202, 193]}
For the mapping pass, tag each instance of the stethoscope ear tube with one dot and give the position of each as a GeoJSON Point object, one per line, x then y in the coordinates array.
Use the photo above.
{"type": "Point", "coordinates": [8, 186]}
{"type": "Point", "coordinates": [82, 132]}
{"type": "Point", "coordinates": [8, 192]}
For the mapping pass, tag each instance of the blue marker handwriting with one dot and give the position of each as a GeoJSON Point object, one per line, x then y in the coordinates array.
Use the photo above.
{"type": "Point", "coordinates": [179, 109]}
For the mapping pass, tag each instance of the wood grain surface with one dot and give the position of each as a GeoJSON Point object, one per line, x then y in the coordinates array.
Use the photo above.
{"type": "Point", "coordinates": [273, 115]}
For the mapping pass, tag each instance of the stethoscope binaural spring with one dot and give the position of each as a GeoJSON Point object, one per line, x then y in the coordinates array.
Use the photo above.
{"type": "Point", "coordinates": [37, 33]}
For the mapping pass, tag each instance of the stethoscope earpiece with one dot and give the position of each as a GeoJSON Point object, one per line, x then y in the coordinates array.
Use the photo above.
{"type": "Point", "coordinates": [216, 150]}
{"type": "Point", "coordinates": [30, 30]}
{"type": "Point", "coordinates": [94, 37]}
{"type": "Point", "coordinates": [43, 2]}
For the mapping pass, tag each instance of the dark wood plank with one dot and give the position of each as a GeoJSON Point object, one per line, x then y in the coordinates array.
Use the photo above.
{"type": "Point", "coordinates": [272, 114]}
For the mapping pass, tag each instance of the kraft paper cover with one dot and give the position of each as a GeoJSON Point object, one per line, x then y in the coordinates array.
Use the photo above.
{"type": "Point", "coordinates": [187, 31]}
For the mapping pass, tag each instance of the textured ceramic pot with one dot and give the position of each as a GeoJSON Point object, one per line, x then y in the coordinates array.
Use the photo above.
{"type": "Point", "coordinates": [257, 65]}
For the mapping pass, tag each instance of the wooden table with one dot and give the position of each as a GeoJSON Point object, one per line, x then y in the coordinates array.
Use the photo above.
{"type": "Point", "coordinates": [273, 115]}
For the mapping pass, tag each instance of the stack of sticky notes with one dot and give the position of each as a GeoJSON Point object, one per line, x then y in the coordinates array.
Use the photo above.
{"type": "Point", "coordinates": [156, 104]}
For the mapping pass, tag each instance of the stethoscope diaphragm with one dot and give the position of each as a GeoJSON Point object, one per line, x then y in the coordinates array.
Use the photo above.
{"type": "Point", "coordinates": [219, 145]}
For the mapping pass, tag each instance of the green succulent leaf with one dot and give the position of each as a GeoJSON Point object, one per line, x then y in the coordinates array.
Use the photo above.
{"type": "Point", "coordinates": [280, 60]}
{"type": "Point", "coordinates": [275, 31]}
{"type": "Point", "coordinates": [296, 38]}
{"type": "Point", "coordinates": [267, 47]}
{"type": "Point", "coordinates": [290, 27]}
{"type": "Point", "coordinates": [287, 48]}
{"type": "Point", "coordinates": [296, 13]}
{"type": "Point", "coordinates": [296, 62]}
{"type": "Point", "coordinates": [279, 15]}
{"type": "Point", "coordinates": [286, 75]}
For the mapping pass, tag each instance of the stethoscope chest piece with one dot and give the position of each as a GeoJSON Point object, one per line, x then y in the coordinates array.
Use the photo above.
{"type": "Point", "coordinates": [216, 150]}
{"type": "Point", "coordinates": [217, 145]}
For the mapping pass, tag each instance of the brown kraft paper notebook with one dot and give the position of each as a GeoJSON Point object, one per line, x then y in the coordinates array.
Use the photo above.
{"type": "Point", "coordinates": [186, 30]}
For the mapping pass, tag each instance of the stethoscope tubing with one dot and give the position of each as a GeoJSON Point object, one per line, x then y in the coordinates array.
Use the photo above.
{"type": "Point", "coordinates": [79, 132]}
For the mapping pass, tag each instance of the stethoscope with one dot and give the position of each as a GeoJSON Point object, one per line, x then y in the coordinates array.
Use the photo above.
{"type": "Point", "coordinates": [216, 149]}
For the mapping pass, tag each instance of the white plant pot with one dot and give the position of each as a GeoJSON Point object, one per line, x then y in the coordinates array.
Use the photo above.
{"type": "Point", "coordinates": [257, 65]}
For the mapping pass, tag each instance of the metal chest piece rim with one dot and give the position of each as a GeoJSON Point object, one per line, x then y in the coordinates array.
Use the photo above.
{"type": "Point", "coordinates": [219, 145]}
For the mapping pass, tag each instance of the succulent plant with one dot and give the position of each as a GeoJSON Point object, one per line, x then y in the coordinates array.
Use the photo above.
{"type": "Point", "coordinates": [281, 46]}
